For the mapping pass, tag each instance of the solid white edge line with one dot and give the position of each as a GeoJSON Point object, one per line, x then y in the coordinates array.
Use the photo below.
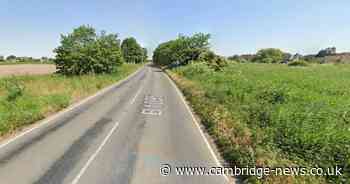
{"type": "Point", "coordinates": [69, 108]}
{"type": "Point", "coordinates": [198, 126]}
{"type": "Point", "coordinates": [93, 156]}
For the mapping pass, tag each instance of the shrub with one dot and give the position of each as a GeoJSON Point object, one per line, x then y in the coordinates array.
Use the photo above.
{"type": "Point", "coordinates": [212, 60]}
{"type": "Point", "coordinates": [298, 63]}
{"type": "Point", "coordinates": [83, 52]}
{"type": "Point", "coordinates": [197, 69]}
{"type": "Point", "coordinates": [270, 55]}
{"type": "Point", "coordinates": [14, 89]}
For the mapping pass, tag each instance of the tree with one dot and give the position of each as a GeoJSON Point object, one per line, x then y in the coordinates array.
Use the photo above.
{"type": "Point", "coordinates": [182, 50]}
{"type": "Point", "coordinates": [162, 54]}
{"type": "Point", "coordinates": [11, 57]}
{"type": "Point", "coordinates": [145, 56]}
{"type": "Point", "coordinates": [2, 58]}
{"type": "Point", "coordinates": [270, 55]}
{"type": "Point", "coordinates": [83, 51]}
{"type": "Point", "coordinates": [132, 51]}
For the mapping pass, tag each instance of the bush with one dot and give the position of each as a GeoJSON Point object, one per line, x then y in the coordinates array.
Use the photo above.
{"type": "Point", "coordinates": [212, 60]}
{"type": "Point", "coordinates": [270, 55]}
{"type": "Point", "coordinates": [298, 63]}
{"type": "Point", "coordinates": [83, 52]}
{"type": "Point", "coordinates": [198, 68]}
{"type": "Point", "coordinates": [14, 89]}
{"type": "Point", "coordinates": [132, 51]}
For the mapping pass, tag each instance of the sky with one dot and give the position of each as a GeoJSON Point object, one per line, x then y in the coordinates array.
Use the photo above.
{"type": "Point", "coordinates": [33, 27]}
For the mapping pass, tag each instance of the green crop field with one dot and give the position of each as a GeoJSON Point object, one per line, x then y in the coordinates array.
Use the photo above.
{"type": "Point", "coordinates": [26, 99]}
{"type": "Point", "coordinates": [272, 115]}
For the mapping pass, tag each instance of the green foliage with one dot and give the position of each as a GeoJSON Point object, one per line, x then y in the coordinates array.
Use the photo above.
{"type": "Point", "coordinates": [83, 52]}
{"type": "Point", "coordinates": [270, 55]}
{"type": "Point", "coordinates": [145, 55]}
{"type": "Point", "coordinates": [27, 99]}
{"type": "Point", "coordinates": [199, 67]}
{"type": "Point", "coordinates": [211, 59]}
{"type": "Point", "coordinates": [11, 57]}
{"type": "Point", "coordinates": [300, 114]}
{"type": "Point", "coordinates": [2, 58]}
{"type": "Point", "coordinates": [132, 51]}
{"type": "Point", "coordinates": [298, 63]}
{"type": "Point", "coordinates": [181, 50]}
{"type": "Point", "coordinates": [14, 89]}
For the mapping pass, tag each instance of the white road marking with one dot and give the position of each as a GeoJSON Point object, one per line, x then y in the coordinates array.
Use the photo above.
{"type": "Point", "coordinates": [137, 94]}
{"type": "Point", "coordinates": [198, 126]}
{"type": "Point", "coordinates": [93, 156]}
{"type": "Point", "coordinates": [70, 108]}
{"type": "Point", "coordinates": [154, 112]}
{"type": "Point", "coordinates": [152, 105]}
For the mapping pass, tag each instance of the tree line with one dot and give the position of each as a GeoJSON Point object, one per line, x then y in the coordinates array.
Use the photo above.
{"type": "Point", "coordinates": [196, 49]}
{"type": "Point", "coordinates": [84, 51]}
{"type": "Point", "coordinates": [275, 55]}
{"type": "Point", "coordinates": [16, 59]}
{"type": "Point", "coordinates": [187, 49]}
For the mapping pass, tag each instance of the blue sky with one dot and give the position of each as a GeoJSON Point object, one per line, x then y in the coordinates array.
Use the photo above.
{"type": "Point", "coordinates": [32, 27]}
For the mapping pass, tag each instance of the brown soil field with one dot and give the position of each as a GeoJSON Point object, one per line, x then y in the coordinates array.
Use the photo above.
{"type": "Point", "coordinates": [26, 69]}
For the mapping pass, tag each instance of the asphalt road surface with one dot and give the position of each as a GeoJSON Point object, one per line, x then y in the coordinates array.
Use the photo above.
{"type": "Point", "coordinates": [123, 135]}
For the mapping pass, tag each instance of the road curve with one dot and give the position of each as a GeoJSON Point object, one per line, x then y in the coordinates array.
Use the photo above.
{"type": "Point", "coordinates": [121, 136]}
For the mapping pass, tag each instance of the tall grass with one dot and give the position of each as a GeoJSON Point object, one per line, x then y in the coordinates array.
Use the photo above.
{"type": "Point", "coordinates": [276, 115]}
{"type": "Point", "coordinates": [26, 99]}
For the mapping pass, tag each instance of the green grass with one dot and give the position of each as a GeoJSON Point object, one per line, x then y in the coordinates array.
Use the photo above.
{"type": "Point", "coordinates": [275, 115]}
{"type": "Point", "coordinates": [26, 99]}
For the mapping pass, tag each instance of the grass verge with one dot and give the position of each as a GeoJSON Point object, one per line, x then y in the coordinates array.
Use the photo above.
{"type": "Point", "coordinates": [27, 99]}
{"type": "Point", "coordinates": [274, 116]}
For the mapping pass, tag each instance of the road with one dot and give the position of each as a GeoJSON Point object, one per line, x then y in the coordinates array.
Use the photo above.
{"type": "Point", "coordinates": [121, 136]}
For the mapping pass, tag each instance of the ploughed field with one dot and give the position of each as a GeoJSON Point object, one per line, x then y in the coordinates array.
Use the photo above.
{"type": "Point", "coordinates": [26, 69]}
{"type": "Point", "coordinates": [273, 115]}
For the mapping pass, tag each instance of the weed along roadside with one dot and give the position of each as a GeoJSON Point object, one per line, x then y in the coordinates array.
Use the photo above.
{"type": "Point", "coordinates": [267, 110]}
{"type": "Point", "coordinates": [258, 122]}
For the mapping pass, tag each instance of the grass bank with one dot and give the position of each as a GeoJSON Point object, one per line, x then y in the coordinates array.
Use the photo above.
{"type": "Point", "coordinates": [274, 116]}
{"type": "Point", "coordinates": [26, 99]}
